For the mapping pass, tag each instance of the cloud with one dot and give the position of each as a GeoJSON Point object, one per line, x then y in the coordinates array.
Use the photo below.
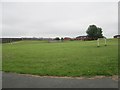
{"type": "Point", "coordinates": [50, 19]}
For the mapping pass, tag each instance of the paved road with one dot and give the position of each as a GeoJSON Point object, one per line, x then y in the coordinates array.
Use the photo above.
{"type": "Point", "coordinates": [10, 80]}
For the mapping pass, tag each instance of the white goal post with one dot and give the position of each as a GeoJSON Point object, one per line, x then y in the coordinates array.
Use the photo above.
{"type": "Point", "coordinates": [101, 41]}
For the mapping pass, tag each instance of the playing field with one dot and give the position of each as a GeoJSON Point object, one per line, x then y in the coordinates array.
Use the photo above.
{"type": "Point", "coordinates": [70, 58]}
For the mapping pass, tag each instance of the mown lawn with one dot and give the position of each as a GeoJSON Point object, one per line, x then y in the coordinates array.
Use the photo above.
{"type": "Point", "coordinates": [71, 58]}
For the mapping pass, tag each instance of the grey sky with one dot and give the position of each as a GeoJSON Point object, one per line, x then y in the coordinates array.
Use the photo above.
{"type": "Point", "coordinates": [52, 19]}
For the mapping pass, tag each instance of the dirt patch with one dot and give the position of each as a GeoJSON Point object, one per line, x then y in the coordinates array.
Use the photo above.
{"type": "Point", "coordinates": [115, 77]}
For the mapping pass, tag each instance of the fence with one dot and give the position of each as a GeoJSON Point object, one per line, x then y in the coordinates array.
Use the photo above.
{"type": "Point", "coordinates": [9, 40]}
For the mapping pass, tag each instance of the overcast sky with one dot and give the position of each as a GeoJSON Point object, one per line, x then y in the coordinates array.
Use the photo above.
{"type": "Point", "coordinates": [58, 19]}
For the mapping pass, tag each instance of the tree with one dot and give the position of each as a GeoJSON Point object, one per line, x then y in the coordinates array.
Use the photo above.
{"type": "Point", "coordinates": [62, 39]}
{"type": "Point", "coordinates": [94, 32]}
{"type": "Point", "coordinates": [57, 38]}
{"type": "Point", "coordinates": [99, 33]}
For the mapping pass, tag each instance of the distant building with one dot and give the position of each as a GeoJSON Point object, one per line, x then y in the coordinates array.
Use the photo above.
{"type": "Point", "coordinates": [67, 38]}
{"type": "Point", "coordinates": [117, 36]}
{"type": "Point", "coordinates": [83, 38]}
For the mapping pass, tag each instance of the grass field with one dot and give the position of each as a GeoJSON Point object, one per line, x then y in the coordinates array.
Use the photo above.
{"type": "Point", "coordinates": [70, 58]}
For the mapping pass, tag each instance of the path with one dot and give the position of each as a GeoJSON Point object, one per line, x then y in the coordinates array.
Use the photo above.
{"type": "Point", "coordinates": [11, 80]}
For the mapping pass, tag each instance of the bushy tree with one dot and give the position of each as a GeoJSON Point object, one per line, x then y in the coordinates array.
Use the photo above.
{"type": "Point", "coordinates": [99, 32]}
{"type": "Point", "coordinates": [57, 38]}
{"type": "Point", "coordinates": [94, 32]}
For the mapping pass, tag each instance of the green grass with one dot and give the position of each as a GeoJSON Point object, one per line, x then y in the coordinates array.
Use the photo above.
{"type": "Point", "coordinates": [71, 58]}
